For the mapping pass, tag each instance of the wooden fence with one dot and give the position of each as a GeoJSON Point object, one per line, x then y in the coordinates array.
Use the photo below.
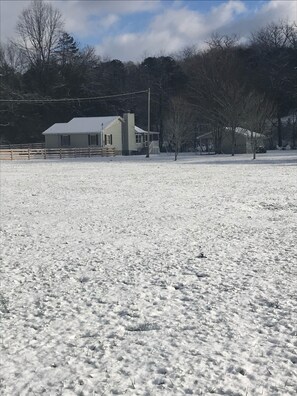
{"type": "Point", "coordinates": [22, 146]}
{"type": "Point", "coordinates": [58, 153]}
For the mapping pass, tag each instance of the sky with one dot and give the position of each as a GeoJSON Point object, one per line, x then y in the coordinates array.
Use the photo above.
{"type": "Point", "coordinates": [134, 29]}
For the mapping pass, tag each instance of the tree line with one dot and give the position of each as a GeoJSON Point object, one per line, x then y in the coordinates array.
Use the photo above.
{"type": "Point", "coordinates": [228, 84]}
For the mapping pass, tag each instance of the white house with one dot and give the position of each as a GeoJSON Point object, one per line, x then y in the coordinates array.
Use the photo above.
{"type": "Point", "coordinates": [116, 131]}
{"type": "Point", "coordinates": [243, 141]}
{"type": "Point", "coordinates": [141, 137]}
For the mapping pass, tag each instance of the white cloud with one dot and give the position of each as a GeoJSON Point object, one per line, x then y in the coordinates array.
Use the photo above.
{"type": "Point", "coordinates": [171, 31]}
{"type": "Point", "coordinates": [9, 12]}
{"type": "Point", "coordinates": [178, 27]}
{"type": "Point", "coordinates": [87, 17]}
{"type": "Point", "coordinates": [276, 10]}
{"type": "Point", "coordinates": [90, 26]}
{"type": "Point", "coordinates": [114, 6]}
{"type": "Point", "coordinates": [192, 24]}
{"type": "Point", "coordinates": [82, 17]}
{"type": "Point", "coordinates": [172, 27]}
{"type": "Point", "coordinates": [225, 12]}
{"type": "Point", "coordinates": [109, 21]}
{"type": "Point", "coordinates": [272, 11]}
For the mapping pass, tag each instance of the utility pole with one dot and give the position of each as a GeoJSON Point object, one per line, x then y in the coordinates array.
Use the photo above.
{"type": "Point", "coordinates": [1, 80]}
{"type": "Point", "coordinates": [148, 121]}
{"type": "Point", "coordinates": [102, 137]}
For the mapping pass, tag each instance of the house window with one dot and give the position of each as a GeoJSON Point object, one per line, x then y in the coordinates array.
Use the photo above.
{"type": "Point", "coordinates": [93, 140]}
{"type": "Point", "coordinates": [107, 139]}
{"type": "Point", "coordinates": [65, 140]}
{"type": "Point", "coordinates": [138, 138]}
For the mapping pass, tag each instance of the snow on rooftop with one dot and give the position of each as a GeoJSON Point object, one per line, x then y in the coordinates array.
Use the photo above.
{"type": "Point", "coordinates": [289, 118]}
{"type": "Point", "coordinates": [60, 127]}
{"type": "Point", "coordinates": [139, 130]}
{"type": "Point", "coordinates": [248, 133]}
{"type": "Point", "coordinates": [81, 125]}
{"type": "Point", "coordinates": [90, 124]}
{"type": "Point", "coordinates": [239, 130]}
{"type": "Point", "coordinates": [86, 125]}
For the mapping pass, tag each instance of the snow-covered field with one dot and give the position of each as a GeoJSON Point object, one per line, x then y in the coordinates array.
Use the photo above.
{"type": "Point", "coordinates": [135, 276]}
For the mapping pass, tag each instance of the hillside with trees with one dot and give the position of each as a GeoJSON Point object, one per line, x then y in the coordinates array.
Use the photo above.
{"type": "Point", "coordinates": [227, 84]}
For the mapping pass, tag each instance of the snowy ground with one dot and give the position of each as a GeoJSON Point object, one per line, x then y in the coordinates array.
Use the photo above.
{"type": "Point", "coordinates": [104, 290]}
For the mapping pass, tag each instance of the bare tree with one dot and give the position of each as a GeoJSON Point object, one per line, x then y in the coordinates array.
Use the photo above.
{"type": "Point", "coordinates": [11, 58]}
{"type": "Point", "coordinates": [218, 41]}
{"type": "Point", "coordinates": [231, 107]}
{"type": "Point", "coordinates": [178, 125]}
{"type": "Point", "coordinates": [39, 27]}
{"type": "Point", "coordinates": [258, 112]}
{"type": "Point", "coordinates": [276, 35]}
{"type": "Point", "coordinates": [218, 88]}
{"type": "Point", "coordinates": [275, 46]}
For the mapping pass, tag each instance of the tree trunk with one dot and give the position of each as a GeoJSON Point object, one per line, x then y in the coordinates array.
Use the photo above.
{"type": "Point", "coordinates": [279, 131]}
{"type": "Point", "coordinates": [176, 151]}
{"type": "Point", "coordinates": [233, 141]}
{"type": "Point", "coordinates": [161, 120]}
{"type": "Point", "coordinates": [294, 134]}
{"type": "Point", "coordinates": [161, 135]}
{"type": "Point", "coordinates": [218, 140]}
{"type": "Point", "coordinates": [253, 145]}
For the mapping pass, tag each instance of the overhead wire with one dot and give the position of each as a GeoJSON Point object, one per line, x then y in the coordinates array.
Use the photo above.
{"type": "Point", "coordinates": [65, 100]}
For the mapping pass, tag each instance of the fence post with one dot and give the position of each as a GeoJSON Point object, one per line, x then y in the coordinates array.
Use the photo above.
{"type": "Point", "coordinates": [44, 150]}
{"type": "Point", "coordinates": [29, 154]}
{"type": "Point", "coordinates": [60, 153]}
{"type": "Point", "coordinates": [11, 155]}
{"type": "Point", "coordinates": [89, 152]}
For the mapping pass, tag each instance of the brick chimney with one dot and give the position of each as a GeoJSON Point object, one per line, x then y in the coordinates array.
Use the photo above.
{"type": "Point", "coordinates": [129, 140]}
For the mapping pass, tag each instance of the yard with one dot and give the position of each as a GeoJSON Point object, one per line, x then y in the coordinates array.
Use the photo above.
{"type": "Point", "coordinates": [140, 276]}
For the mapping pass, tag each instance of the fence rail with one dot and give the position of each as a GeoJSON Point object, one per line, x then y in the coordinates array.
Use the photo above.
{"type": "Point", "coordinates": [58, 153]}
{"type": "Point", "coordinates": [22, 146]}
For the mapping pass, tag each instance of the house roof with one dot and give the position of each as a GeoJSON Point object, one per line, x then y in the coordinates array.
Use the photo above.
{"type": "Point", "coordinates": [246, 132]}
{"type": "Point", "coordinates": [205, 134]}
{"type": "Point", "coordinates": [54, 128]}
{"type": "Point", "coordinates": [239, 130]}
{"type": "Point", "coordinates": [81, 125]}
{"type": "Point", "coordinates": [139, 130]}
{"type": "Point", "coordinates": [290, 118]}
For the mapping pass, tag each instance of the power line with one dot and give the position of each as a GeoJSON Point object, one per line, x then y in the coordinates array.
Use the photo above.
{"type": "Point", "coordinates": [69, 99]}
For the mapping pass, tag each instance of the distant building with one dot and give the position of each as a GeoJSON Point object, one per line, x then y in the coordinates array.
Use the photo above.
{"type": "Point", "coordinates": [116, 131]}
{"type": "Point", "coordinates": [243, 141]}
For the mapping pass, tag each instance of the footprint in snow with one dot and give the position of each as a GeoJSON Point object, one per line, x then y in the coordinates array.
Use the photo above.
{"type": "Point", "coordinates": [201, 275]}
